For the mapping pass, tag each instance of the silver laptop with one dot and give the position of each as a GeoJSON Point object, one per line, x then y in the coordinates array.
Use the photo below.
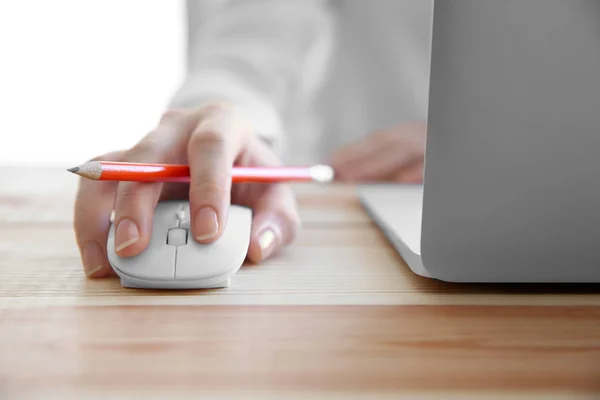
{"type": "Point", "coordinates": [511, 189]}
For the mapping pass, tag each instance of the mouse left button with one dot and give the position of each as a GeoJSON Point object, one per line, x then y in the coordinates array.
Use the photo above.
{"type": "Point", "coordinates": [156, 262]}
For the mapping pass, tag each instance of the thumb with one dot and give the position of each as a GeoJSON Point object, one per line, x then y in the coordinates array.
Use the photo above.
{"type": "Point", "coordinates": [275, 224]}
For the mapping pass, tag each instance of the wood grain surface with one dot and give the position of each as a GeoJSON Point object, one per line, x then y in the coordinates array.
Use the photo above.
{"type": "Point", "coordinates": [336, 315]}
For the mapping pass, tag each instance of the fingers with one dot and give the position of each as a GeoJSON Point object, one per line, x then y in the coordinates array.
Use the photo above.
{"type": "Point", "coordinates": [93, 206]}
{"type": "Point", "coordinates": [212, 149]}
{"type": "Point", "coordinates": [410, 174]}
{"type": "Point", "coordinates": [134, 209]}
{"type": "Point", "coordinates": [275, 224]}
{"type": "Point", "coordinates": [276, 218]}
{"type": "Point", "coordinates": [135, 202]}
{"type": "Point", "coordinates": [351, 162]}
{"type": "Point", "coordinates": [380, 166]}
{"type": "Point", "coordinates": [381, 155]}
{"type": "Point", "coordinates": [360, 150]}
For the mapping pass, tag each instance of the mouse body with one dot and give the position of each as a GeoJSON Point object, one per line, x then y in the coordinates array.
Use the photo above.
{"type": "Point", "coordinates": [173, 259]}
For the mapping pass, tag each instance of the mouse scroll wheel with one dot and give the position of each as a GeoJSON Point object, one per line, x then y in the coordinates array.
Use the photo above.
{"type": "Point", "coordinates": [182, 221]}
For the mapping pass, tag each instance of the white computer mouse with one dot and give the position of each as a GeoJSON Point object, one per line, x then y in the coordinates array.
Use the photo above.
{"type": "Point", "coordinates": [175, 260]}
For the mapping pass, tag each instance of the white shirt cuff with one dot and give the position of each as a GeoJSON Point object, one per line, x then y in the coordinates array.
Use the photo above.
{"type": "Point", "coordinates": [209, 86]}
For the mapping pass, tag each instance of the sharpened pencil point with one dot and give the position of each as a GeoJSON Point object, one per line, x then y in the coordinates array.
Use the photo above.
{"type": "Point", "coordinates": [74, 170]}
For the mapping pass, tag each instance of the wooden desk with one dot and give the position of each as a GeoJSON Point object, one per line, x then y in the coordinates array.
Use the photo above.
{"type": "Point", "coordinates": [336, 313]}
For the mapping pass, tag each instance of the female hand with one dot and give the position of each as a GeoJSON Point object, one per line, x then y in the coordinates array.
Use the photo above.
{"type": "Point", "coordinates": [210, 140]}
{"type": "Point", "coordinates": [397, 155]}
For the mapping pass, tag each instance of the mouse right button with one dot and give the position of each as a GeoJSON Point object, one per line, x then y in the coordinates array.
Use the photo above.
{"type": "Point", "coordinates": [225, 256]}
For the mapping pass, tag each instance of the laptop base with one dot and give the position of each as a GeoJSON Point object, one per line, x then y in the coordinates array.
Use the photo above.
{"type": "Point", "coordinates": [396, 210]}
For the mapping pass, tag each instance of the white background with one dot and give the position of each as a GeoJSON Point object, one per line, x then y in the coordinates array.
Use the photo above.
{"type": "Point", "coordinates": [81, 78]}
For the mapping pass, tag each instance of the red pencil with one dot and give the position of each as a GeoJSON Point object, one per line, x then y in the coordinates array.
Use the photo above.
{"type": "Point", "coordinates": [144, 172]}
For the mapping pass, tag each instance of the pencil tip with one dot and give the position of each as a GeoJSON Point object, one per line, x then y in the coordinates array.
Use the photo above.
{"type": "Point", "coordinates": [74, 170]}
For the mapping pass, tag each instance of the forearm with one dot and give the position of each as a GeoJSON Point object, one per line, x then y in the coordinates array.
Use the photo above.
{"type": "Point", "coordinates": [261, 55]}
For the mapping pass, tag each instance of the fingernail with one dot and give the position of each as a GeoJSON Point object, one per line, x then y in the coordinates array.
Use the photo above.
{"type": "Point", "coordinates": [92, 258]}
{"type": "Point", "coordinates": [266, 241]}
{"type": "Point", "coordinates": [127, 234]}
{"type": "Point", "coordinates": [206, 223]}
